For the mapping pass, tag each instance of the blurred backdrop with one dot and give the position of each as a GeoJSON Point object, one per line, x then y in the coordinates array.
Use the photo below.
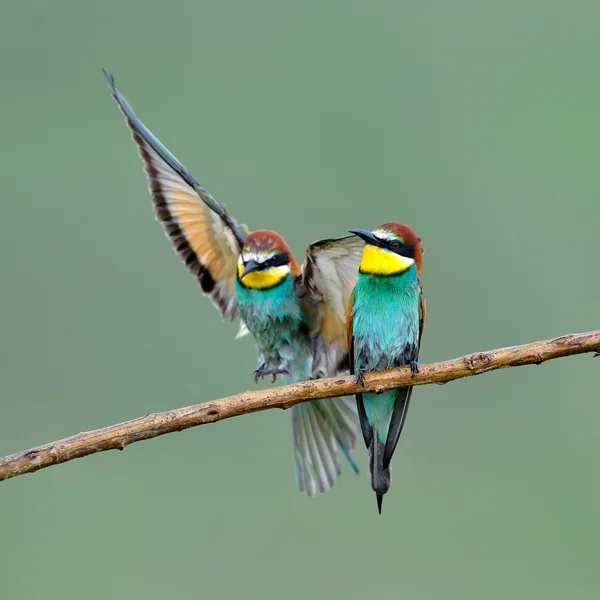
{"type": "Point", "coordinates": [477, 123]}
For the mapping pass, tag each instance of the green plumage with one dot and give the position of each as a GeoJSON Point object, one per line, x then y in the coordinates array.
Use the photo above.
{"type": "Point", "coordinates": [275, 318]}
{"type": "Point", "coordinates": [386, 329]}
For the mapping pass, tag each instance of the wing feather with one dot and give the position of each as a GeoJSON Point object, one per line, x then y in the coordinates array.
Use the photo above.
{"type": "Point", "coordinates": [422, 312]}
{"type": "Point", "coordinates": [205, 236]}
{"type": "Point", "coordinates": [329, 276]}
{"type": "Point", "coordinates": [404, 394]}
{"type": "Point", "coordinates": [365, 426]}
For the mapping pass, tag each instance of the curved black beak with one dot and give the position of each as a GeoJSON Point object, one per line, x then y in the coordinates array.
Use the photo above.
{"type": "Point", "coordinates": [367, 236]}
{"type": "Point", "coordinates": [251, 266]}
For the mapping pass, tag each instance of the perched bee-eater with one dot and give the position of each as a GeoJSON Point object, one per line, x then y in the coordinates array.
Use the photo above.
{"type": "Point", "coordinates": [296, 315]}
{"type": "Point", "coordinates": [385, 321]}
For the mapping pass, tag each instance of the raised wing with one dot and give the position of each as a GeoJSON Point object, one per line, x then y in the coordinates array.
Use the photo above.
{"type": "Point", "coordinates": [205, 236]}
{"type": "Point", "coordinates": [329, 276]}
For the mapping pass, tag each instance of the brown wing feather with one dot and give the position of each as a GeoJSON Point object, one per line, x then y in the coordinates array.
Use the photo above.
{"type": "Point", "coordinates": [329, 276]}
{"type": "Point", "coordinates": [206, 238]}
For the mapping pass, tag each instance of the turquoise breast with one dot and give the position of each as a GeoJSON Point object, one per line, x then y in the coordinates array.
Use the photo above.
{"type": "Point", "coordinates": [385, 319]}
{"type": "Point", "coordinates": [275, 319]}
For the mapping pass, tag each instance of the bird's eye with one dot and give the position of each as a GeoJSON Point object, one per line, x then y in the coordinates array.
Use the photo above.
{"type": "Point", "coordinates": [270, 262]}
{"type": "Point", "coordinates": [395, 245]}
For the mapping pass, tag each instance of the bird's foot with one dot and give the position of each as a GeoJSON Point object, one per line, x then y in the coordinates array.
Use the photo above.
{"type": "Point", "coordinates": [259, 372]}
{"type": "Point", "coordinates": [263, 370]}
{"type": "Point", "coordinates": [318, 374]}
{"type": "Point", "coordinates": [414, 367]}
{"type": "Point", "coordinates": [360, 378]}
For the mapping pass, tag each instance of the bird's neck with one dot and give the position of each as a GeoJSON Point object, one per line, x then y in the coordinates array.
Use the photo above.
{"type": "Point", "coordinates": [274, 301]}
{"type": "Point", "coordinates": [382, 284]}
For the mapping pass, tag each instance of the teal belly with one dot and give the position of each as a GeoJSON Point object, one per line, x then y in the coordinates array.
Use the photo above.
{"type": "Point", "coordinates": [385, 320]}
{"type": "Point", "coordinates": [275, 319]}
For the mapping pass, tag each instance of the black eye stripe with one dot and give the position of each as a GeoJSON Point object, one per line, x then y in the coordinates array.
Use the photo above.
{"type": "Point", "coordinates": [403, 249]}
{"type": "Point", "coordinates": [279, 260]}
{"type": "Point", "coordinates": [275, 261]}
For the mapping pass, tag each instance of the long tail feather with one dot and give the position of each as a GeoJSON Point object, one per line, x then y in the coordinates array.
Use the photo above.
{"type": "Point", "coordinates": [396, 423]}
{"type": "Point", "coordinates": [381, 477]}
{"type": "Point", "coordinates": [340, 415]}
{"type": "Point", "coordinates": [321, 428]}
{"type": "Point", "coordinates": [365, 426]}
{"type": "Point", "coordinates": [299, 433]}
{"type": "Point", "coordinates": [382, 419]}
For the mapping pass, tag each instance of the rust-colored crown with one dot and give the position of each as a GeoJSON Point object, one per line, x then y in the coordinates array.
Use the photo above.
{"type": "Point", "coordinates": [266, 241]}
{"type": "Point", "coordinates": [409, 237]}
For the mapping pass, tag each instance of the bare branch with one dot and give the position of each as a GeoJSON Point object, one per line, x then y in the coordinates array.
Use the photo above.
{"type": "Point", "coordinates": [152, 425]}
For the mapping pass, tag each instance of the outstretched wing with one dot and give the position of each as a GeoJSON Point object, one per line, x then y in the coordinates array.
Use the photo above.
{"type": "Point", "coordinates": [204, 235]}
{"type": "Point", "coordinates": [328, 279]}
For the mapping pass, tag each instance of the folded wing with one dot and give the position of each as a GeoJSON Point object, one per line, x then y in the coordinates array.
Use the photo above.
{"type": "Point", "coordinates": [204, 235]}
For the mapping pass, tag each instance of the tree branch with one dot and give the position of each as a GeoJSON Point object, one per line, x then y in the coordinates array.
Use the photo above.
{"type": "Point", "coordinates": [152, 425]}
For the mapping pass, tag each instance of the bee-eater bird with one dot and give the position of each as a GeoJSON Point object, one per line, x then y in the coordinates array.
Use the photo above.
{"type": "Point", "coordinates": [386, 314]}
{"type": "Point", "coordinates": [296, 315]}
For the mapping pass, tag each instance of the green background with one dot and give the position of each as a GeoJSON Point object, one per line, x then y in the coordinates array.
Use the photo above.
{"type": "Point", "coordinates": [477, 123]}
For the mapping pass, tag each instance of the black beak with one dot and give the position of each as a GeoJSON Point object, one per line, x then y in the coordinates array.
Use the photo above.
{"type": "Point", "coordinates": [251, 266]}
{"type": "Point", "coordinates": [367, 236]}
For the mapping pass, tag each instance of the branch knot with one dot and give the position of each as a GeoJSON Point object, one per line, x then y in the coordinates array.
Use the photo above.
{"type": "Point", "coordinates": [477, 361]}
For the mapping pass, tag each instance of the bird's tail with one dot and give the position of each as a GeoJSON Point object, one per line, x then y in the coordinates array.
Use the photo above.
{"type": "Point", "coordinates": [321, 429]}
{"type": "Point", "coordinates": [382, 418]}
{"type": "Point", "coordinates": [381, 476]}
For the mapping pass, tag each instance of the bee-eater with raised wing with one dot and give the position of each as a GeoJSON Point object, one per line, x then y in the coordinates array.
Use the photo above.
{"type": "Point", "coordinates": [385, 322]}
{"type": "Point", "coordinates": [296, 314]}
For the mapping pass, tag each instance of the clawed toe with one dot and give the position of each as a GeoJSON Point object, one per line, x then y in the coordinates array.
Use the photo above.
{"type": "Point", "coordinates": [258, 373]}
{"type": "Point", "coordinates": [262, 371]}
{"type": "Point", "coordinates": [414, 367]}
{"type": "Point", "coordinates": [360, 378]}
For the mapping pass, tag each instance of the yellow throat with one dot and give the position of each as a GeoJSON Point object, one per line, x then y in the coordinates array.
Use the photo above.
{"type": "Point", "coordinates": [379, 261]}
{"type": "Point", "coordinates": [262, 280]}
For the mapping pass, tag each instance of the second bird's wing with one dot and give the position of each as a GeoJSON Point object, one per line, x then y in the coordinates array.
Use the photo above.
{"type": "Point", "coordinates": [329, 276]}
{"type": "Point", "coordinates": [323, 427]}
{"type": "Point", "coordinates": [202, 232]}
